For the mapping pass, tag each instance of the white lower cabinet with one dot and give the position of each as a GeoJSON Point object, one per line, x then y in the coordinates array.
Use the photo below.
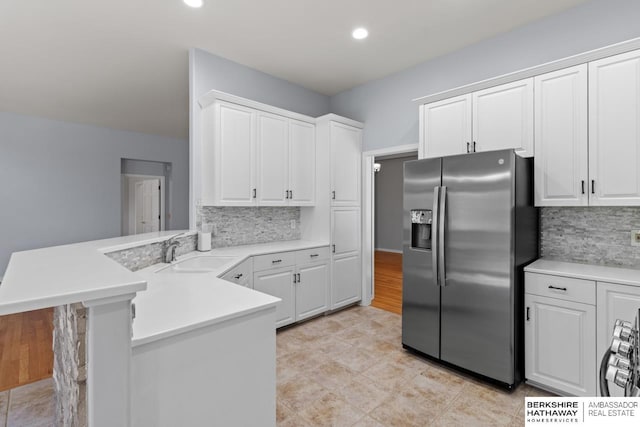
{"type": "Point", "coordinates": [300, 279]}
{"type": "Point", "coordinates": [278, 283]}
{"type": "Point", "coordinates": [614, 302]}
{"type": "Point", "coordinates": [311, 290]}
{"type": "Point", "coordinates": [560, 344]}
{"type": "Point", "coordinates": [241, 274]}
{"type": "Point", "coordinates": [345, 282]}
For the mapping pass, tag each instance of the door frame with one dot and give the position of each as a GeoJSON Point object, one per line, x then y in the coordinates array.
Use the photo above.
{"type": "Point", "coordinates": [125, 184]}
{"type": "Point", "coordinates": [368, 213]}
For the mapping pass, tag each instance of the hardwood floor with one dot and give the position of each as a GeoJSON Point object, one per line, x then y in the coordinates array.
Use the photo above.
{"type": "Point", "coordinates": [26, 353]}
{"type": "Point", "coordinates": [388, 281]}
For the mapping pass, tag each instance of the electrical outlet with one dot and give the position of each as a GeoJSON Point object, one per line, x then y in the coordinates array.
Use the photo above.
{"type": "Point", "coordinates": [293, 224]}
{"type": "Point", "coordinates": [635, 237]}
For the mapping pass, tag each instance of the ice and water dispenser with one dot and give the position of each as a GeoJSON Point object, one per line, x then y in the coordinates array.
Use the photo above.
{"type": "Point", "coordinates": [421, 228]}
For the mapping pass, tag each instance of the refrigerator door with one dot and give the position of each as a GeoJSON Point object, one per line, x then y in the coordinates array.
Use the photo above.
{"type": "Point", "coordinates": [420, 291]}
{"type": "Point", "coordinates": [477, 324]}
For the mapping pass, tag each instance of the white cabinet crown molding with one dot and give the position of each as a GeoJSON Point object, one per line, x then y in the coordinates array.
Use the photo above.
{"type": "Point", "coordinates": [344, 120]}
{"type": "Point", "coordinates": [213, 96]}
{"type": "Point", "coordinates": [581, 58]}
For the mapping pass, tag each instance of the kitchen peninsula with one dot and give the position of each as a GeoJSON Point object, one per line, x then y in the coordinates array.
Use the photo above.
{"type": "Point", "coordinates": [195, 337]}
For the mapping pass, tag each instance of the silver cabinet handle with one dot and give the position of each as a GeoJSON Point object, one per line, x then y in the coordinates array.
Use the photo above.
{"type": "Point", "coordinates": [333, 248]}
{"type": "Point", "coordinates": [468, 147]}
{"type": "Point", "coordinates": [299, 280]}
{"type": "Point", "coordinates": [333, 195]}
{"type": "Point", "coordinates": [294, 278]}
{"type": "Point", "coordinates": [291, 194]}
{"type": "Point", "coordinates": [237, 276]}
{"type": "Point", "coordinates": [528, 317]}
{"type": "Point", "coordinates": [593, 186]}
{"type": "Point", "coordinates": [314, 255]}
{"type": "Point", "coordinates": [255, 193]}
{"type": "Point", "coordinates": [275, 261]}
{"type": "Point", "coordinates": [474, 146]}
{"type": "Point", "coordinates": [582, 186]}
{"type": "Point", "coordinates": [557, 288]}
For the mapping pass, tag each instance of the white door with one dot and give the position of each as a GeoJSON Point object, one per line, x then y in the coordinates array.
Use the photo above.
{"type": "Point", "coordinates": [147, 206]}
{"type": "Point", "coordinates": [311, 290]}
{"type": "Point", "coordinates": [346, 282]}
{"type": "Point", "coordinates": [346, 153]}
{"type": "Point", "coordinates": [561, 164]}
{"type": "Point", "coordinates": [302, 163]}
{"type": "Point", "coordinates": [614, 302]}
{"type": "Point", "coordinates": [614, 130]}
{"type": "Point", "coordinates": [560, 345]}
{"type": "Point", "coordinates": [345, 230]}
{"type": "Point", "coordinates": [278, 283]}
{"type": "Point", "coordinates": [272, 142]}
{"type": "Point", "coordinates": [446, 127]}
{"type": "Point", "coordinates": [503, 118]}
{"type": "Point", "coordinates": [235, 156]}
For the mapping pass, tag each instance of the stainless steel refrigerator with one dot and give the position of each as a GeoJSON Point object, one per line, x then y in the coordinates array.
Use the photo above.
{"type": "Point", "coordinates": [469, 229]}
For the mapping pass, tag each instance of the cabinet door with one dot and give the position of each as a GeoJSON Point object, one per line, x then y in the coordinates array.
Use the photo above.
{"type": "Point", "coordinates": [614, 130]}
{"type": "Point", "coordinates": [312, 290]}
{"type": "Point", "coordinates": [346, 161]}
{"type": "Point", "coordinates": [561, 174]}
{"type": "Point", "coordinates": [614, 302]}
{"type": "Point", "coordinates": [346, 283]}
{"type": "Point", "coordinates": [241, 274]}
{"type": "Point", "coordinates": [273, 162]}
{"type": "Point", "coordinates": [302, 163]}
{"type": "Point", "coordinates": [345, 230]}
{"type": "Point", "coordinates": [446, 127]}
{"type": "Point", "coordinates": [560, 348]}
{"type": "Point", "coordinates": [503, 118]}
{"type": "Point", "coordinates": [278, 283]}
{"type": "Point", "coordinates": [235, 156]}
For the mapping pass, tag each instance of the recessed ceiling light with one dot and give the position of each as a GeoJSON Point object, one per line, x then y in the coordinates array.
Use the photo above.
{"type": "Point", "coordinates": [360, 33]}
{"type": "Point", "coordinates": [193, 3]}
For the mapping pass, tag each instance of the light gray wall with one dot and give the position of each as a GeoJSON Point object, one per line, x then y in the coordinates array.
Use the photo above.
{"type": "Point", "coordinates": [388, 200]}
{"type": "Point", "coordinates": [60, 181]}
{"type": "Point", "coordinates": [208, 72]}
{"type": "Point", "coordinates": [392, 119]}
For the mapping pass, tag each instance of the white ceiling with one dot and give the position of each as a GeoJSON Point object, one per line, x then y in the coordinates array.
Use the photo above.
{"type": "Point", "coordinates": [123, 63]}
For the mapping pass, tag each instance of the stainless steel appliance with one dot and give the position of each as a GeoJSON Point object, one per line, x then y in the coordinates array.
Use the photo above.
{"type": "Point", "coordinates": [469, 229]}
{"type": "Point", "coordinates": [621, 362]}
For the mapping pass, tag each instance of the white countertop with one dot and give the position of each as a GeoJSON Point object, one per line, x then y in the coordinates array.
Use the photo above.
{"type": "Point", "coordinates": [180, 302]}
{"type": "Point", "coordinates": [166, 304]}
{"type": "Point", "coordinates": [602, 273]}
{"type": "Point", "coordinates": [59, 275]}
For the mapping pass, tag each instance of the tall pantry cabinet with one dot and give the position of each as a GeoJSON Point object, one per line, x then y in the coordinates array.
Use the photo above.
{"type": "Point", "coordinates": [337, 210]}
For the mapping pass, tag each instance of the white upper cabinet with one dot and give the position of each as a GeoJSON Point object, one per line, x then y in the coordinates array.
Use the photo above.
{"type": "Point", "coordinates": [255, 155]}
{"type": "Point", "coordinates": [346, 152]}
{"type": "Point", "coordinates": [561, 163]}
{"type": "Point", "coordinates": [503, 118]}
{"type": "Point", "coordinates": [446, 126]}
{"type": "Point", "coordinates": [614, 130]}
{"type": "Point", "coordinates": [496, 118]}
{"type": "Point", "coordinates": [272, 142]}
{"type": "Point", "coordinates": [302, 163]}
{"type": "Point", "coordinates": [234, 156]}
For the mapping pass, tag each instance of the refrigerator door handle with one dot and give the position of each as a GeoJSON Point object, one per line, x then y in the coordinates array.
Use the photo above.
{"type": "Point", "coordinates": [442, 211]}
{"type": "Point", "coordinates": [434, 234]}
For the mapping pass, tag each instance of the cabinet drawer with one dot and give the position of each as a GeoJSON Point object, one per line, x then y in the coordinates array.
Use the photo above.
{"type": "Point", "coordinates": [241, 274]}
{"type": "Point", "coordinates": [312, 255]}
{"type": "Point", "coordinates": [280, 259]}
{"type": "Point", "coordinates": [565, 288]}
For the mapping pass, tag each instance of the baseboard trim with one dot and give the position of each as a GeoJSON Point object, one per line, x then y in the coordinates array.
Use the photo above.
{"type": "Point", "coordinates": [395, 251]}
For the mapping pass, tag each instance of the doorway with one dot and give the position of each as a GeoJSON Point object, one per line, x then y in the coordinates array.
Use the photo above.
{"type": "Point", "coordinates": [144, 192]}
{"type": "Point", "coordinates": [383, 223]}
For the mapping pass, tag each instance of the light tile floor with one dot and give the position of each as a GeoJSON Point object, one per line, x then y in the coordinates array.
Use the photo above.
{"type": "Point", "coordinates": [29, 405]}
{"type": "Point", "coordinates": [345, 369]}
{"type": "Point", "coordinates": [349, 369]}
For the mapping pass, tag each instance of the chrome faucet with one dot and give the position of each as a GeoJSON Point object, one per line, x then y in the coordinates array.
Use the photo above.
{"type": "Point", "coordinates": [170, 248]}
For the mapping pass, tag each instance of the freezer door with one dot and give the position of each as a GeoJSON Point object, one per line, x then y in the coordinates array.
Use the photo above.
{"type": "Point", "coordinates": [477, 324]}
{"type": "Point", "coordinates": [420, 292]}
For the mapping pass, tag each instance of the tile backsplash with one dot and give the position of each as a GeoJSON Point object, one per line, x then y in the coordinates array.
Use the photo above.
{"type": "Point", "coordinates": [140, 257]}
{"type": "Point", "coordinates": [594, 235]}
{"type": "Point", "coordinates": [248, 225]}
